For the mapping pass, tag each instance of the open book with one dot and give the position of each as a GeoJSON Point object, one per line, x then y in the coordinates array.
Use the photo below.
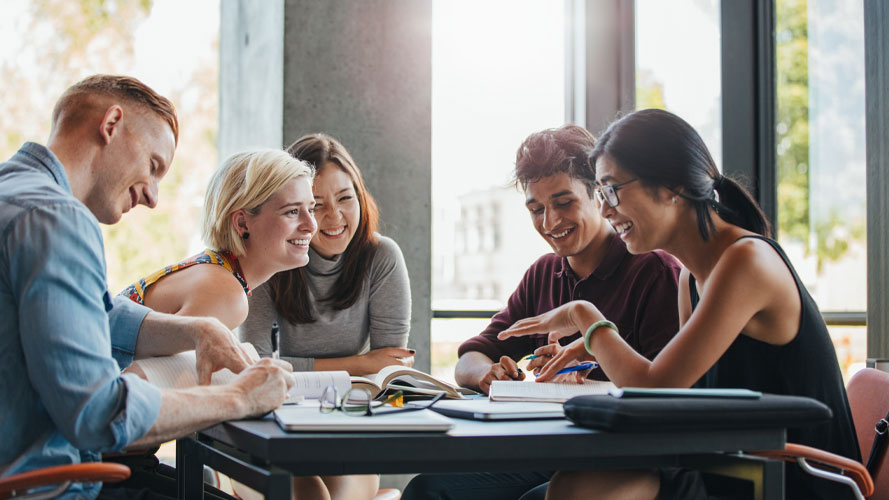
{"type": "Point", "coordinates": [409, 380]}
{"type": "Point", "coordinates": [551, 392]}
{"type": "Point", "coordinates": [178, 372]}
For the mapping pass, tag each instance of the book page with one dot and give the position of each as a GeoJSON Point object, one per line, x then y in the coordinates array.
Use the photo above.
{"type": "Point", "coordinates": [179, 371]}
{"type": "Point", "coordinates": [410, 375]}
{"type": "Point", "coordinates": [512, 390]}
{"type": "Point", "coordinates": [170, 372]}
{"type": "Point", "coordinates": [310, 385]}
{"type": "Point", "coordinates": [359, 382]}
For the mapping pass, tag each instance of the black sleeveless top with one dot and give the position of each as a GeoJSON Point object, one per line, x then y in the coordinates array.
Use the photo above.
{"type": "Point", "coordinates": [806, 366]}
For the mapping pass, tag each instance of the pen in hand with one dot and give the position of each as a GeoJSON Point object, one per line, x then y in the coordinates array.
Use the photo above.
{"type": "Point", "coordinates": [275, 353]}
{"type": "Point", "coordinates": [587, 365]}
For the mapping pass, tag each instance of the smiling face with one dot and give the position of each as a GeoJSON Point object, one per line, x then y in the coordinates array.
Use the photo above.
{"type": "Point", "coordinates": [565, 216]}
{"type": "Point", "coordinates": [336, 209]}
{"type": "Point", "coordinates": [128, 169]}
{"type": "Point", "coordinates": [282, 229]}
{"type": "Point", "coordinates": [644, 218]}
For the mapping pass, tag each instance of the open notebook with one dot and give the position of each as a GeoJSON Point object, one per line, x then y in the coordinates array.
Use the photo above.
{"type": "Point", "coordinates": [178, 372]}
{"type": "Point", "coordinates": [550, 392]}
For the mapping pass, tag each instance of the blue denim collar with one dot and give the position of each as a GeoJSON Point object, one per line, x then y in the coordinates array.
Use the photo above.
{"type": "Point", "coordinates": [46, 159]}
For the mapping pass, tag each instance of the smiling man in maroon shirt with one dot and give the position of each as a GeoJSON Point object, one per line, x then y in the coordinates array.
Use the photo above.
{"type": "Point", "coordinates": [589, 262]}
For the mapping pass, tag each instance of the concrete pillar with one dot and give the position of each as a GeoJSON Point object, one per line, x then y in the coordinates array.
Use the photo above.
{"type": "Point", "coordinates": [876, 60]}
{"type": "Point", "coordinates": [359, 71]}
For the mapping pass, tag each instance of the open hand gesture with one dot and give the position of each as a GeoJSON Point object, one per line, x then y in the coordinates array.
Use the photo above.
{"type": "Point", "coordinates": [557, 323]}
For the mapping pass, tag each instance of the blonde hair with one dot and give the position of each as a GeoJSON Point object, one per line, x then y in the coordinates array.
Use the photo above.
{"type": "Point", "coordinates": [244, 182]}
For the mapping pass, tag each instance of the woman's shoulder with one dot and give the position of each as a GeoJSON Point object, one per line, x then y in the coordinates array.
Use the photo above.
{"type": "Point", "coordinates": [209, 279]}
{"type": "Point", "coordinates": [387, 250]}
{"type": "Point", "coordinates": [756, 258]}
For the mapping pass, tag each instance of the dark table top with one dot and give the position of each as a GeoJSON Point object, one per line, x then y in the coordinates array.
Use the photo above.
{"type": "Point", "coordinates": [476, 446]}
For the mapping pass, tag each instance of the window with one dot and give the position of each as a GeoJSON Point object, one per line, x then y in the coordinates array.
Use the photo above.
{"type": "Point", "coordinates": [679, 69]}
{"type": "Point", "coordinates": [498, 74]}
{"type": "Point", "coordinates": [820, 134]}
{"type": "Point", "coordinates": [161, 44]}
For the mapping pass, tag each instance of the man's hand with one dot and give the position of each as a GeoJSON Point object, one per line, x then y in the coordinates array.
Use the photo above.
{"type": "Point", "coordinates": [216, 347]}
{"type": "Point", "coordinates": [505, 369]}
{"type": "Point", "coordinates": [264, 385]}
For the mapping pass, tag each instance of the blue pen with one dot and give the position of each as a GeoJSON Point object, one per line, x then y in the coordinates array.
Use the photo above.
{"type": "Point", "coordinates": [588, 365]}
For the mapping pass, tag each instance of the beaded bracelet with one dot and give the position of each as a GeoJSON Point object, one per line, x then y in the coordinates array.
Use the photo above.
{"type": "Point", "coordinates": [592, 328]}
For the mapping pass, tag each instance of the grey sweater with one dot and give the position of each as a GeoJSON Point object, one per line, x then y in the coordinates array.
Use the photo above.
{"type": "Point", "coordinates": [379, 318]}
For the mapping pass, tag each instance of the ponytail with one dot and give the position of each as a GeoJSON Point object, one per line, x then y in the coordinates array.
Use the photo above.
{"type": "Point", "coordinates": [736, 205]}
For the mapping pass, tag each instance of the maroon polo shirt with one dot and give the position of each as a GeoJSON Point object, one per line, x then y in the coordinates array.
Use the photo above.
{"type": "Point", "coordinates": [637, 292]}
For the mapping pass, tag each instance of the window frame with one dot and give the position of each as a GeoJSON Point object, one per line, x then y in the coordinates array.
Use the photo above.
{"type": "Point", "coordinates": [603, 43]}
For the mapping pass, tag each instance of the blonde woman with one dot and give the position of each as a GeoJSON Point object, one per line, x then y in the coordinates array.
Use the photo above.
{"type": "Point", "coordinates": [257, 221]}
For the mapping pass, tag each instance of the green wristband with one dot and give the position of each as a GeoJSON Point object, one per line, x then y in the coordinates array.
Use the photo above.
{"type": "Point", "coordinates": [592, 328]}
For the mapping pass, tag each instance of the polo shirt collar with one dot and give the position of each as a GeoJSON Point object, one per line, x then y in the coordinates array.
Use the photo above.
{"type": "Point", "coordinates": [617, 252]}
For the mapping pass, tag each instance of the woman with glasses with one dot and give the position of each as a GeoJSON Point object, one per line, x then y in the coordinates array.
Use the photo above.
{"type": "Point", "coordinates": [746, 320]}
{"type": "Point", "coordinates": [349, 309]}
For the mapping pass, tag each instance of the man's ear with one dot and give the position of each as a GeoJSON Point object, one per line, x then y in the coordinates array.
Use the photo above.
{"type": "Point", "coordinates": [239, 221]}
{"type": "Point", "coordinates": [111, 122]}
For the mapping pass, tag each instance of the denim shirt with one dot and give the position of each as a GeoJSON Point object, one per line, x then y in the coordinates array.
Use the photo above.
{"type": "Point", "coordinates": [63, 340]}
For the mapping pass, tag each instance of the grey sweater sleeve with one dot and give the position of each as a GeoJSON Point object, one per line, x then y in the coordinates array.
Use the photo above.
{"type": "Point", "coordinates": [389, 304]}
{"type": "Point", "coordinates": [256, 329]}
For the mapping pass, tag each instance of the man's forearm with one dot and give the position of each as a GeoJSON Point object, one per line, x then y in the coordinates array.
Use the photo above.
{"type": "Point", "coordinates": [471, 368]}
{"type": "Point", "coordinates": [165, 334]}
{"type": "Point", "coordinates": [184, 411]}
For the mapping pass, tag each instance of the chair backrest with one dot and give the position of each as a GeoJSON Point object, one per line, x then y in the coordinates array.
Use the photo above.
{"type": "Point", "coordinates": [868, 392]}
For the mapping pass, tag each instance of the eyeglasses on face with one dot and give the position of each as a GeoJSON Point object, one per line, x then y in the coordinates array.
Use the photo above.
{"type": "Point", "coordinates": [607, 193]}
{"type": "Point", "coordinates": [358, 402]}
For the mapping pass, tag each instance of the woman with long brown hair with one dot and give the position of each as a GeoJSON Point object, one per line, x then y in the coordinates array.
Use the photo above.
{"type": "Point", "coordinates": [349, 309]}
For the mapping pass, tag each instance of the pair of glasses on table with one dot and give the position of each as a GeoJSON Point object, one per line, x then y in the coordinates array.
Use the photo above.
{"type": "Point", "coordinates": [358, 402]}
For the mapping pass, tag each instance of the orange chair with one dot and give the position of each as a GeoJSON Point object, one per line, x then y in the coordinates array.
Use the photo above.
{"type": "Point", "coordinates": [869, 400]}
{"type": "Point", "coordinates": [388, 494]}
{"type": "Point", "coordinates": [17, 485]}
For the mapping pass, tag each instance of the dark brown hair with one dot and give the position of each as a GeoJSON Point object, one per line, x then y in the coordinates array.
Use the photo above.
{"type": "Point", "coordinates": [565, 149]}
{"type": "Point", "coordinates": [289, 289]}
{"type": "Point", "coordinates": [663, 150]}
{"type": "Point", "coordinates": [122, 87]}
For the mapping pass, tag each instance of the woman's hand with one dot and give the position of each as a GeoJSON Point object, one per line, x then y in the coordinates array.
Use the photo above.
{"type": "Point", "coordinates": [562, 357]}
{"type": "Point", "coordinates": [559, 322]}
{"type": "Point", "coordinates": [377, 359]}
